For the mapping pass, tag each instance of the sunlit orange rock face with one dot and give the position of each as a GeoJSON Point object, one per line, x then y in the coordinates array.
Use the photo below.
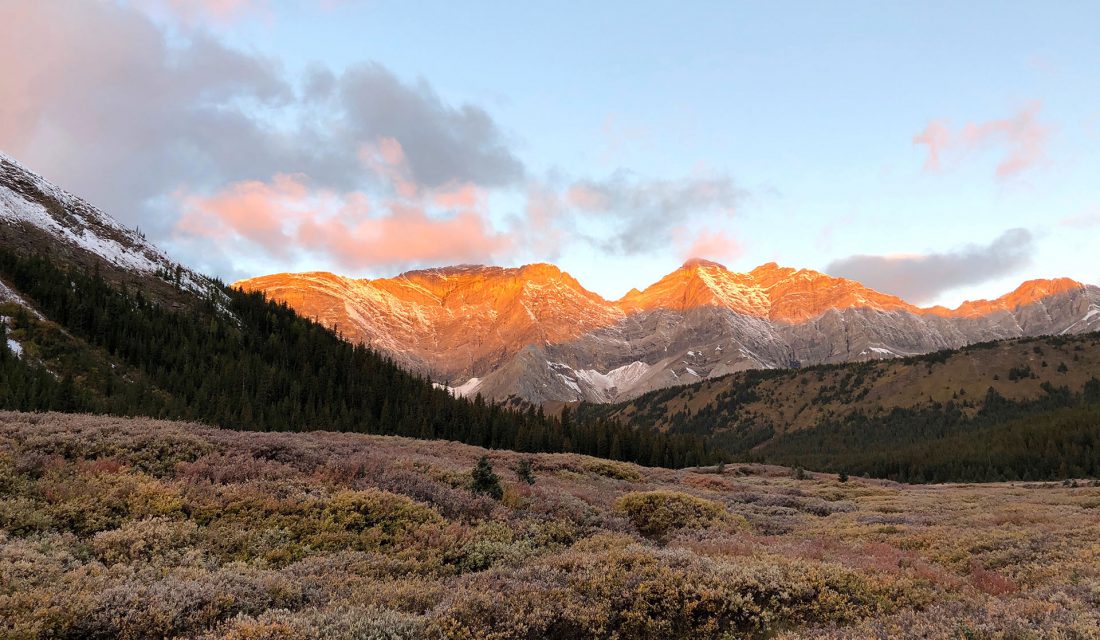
{"type": "Point", "coordinates": [450, 321]}
{"type": "Point", "coordinates": [768, 291]}
{"type": "Point", "coordinates": [1026, 294]}
{"type": "Point", "coordinates": [535, 332]}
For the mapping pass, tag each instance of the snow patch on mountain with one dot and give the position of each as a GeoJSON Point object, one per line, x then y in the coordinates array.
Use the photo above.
{"type": "Point", "coordinates": [618, 380]}
{"type": "Point", "coordinates": [464, 390]}
{"type": "Point", "coordinates": [1082, 324]}
{"type": "Point", "coordinates": [81, 225]}
{"type": "Point", "coordinates": [7, 294]}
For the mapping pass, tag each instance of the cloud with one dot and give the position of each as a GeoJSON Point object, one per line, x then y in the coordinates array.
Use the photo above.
{"type": "Point", "coordinates": [708, 244]}
{"type": "Point", "coordinates": [937, 136]}
{"type": "Point", "coordinates": [443, 143]}
{"type": "Point", "coordinates": [192, 12]}
{"type": "Point", "coordinates": [920, 278]}
{"type": "Point", "coordinates": [643, 213]}
{"type": "Point", "coordinates": [1020, 139]}
{"type": "Point", "coordinates": [1085, 220]}
{"type": "Point", "coordinates": [97, 96]}
{"type": "Point", "coordinates": [110, 110]}
{"type": "Point", "coordinates": [287, 219]}
{"type": "Point", "coordinates": [169, 128]}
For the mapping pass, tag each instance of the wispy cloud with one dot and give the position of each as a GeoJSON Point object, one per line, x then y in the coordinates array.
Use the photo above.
{"type": "Point", "coordinates": [919, 278]}
{"type": "Point", "coordinates": [645, 212]}
{"type": "Point", "coordinates": [1020, 139]}
{"type": "Point", "coordinates": [1084, 220]}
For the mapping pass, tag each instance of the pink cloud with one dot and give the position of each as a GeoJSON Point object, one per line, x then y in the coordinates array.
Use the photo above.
{"type": "Point", "coordinates": [938, 137]}
{"type": "Point", "coordinates": [284, 217]}
{"type": "Point", "coordinates": [713, 245]}
{"type": "Point", "coordinates": [456, 197]}
{"type": "Point", "coordinates": [257, 211]}
{"type": "Point", "coordinates": [1086, 220]}
{"type": "Point", "coordinates": [193, 12]}
{"type": "Point", "coordinates": [406, 236]}
{"type": "Point", "coordinates": [1022, 138]}
{"type": "Point", "coordinates": [386, 159]}
{"type": "Point", "coordinates": [587, 198]}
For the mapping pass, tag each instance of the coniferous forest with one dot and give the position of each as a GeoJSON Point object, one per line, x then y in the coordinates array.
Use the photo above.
{"type": "Point", "coordinates": [1053, 437]}
{"type": "Point", "coordinates": [240, 361]}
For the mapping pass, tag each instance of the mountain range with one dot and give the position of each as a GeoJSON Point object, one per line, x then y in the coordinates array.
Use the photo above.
{"type": "Point", "coordinates": [535, 333]}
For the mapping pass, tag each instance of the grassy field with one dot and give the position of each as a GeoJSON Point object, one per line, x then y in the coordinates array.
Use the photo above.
{"type": "Point", "coordinates": [117, 528]}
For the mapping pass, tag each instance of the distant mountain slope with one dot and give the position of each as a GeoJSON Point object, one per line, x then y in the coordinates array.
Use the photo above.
{"type": "Point", "coordinates": [39, 218]}
{"type": "Point", "coordinates": [1014, 409]}
{"type": "Point", "coordinates": [535, 333]}
{"type": "Point", "coordinates": [94, 318]}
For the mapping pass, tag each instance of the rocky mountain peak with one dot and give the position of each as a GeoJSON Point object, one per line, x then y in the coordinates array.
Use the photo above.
{"type": "Point", "coordinates": [701, 263]}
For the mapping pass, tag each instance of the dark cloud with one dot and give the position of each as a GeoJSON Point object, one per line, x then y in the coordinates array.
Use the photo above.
{"type": "Point", "coordinates": [99, 98]}
{"type": "Point", "coordinates": [442, 143]}
{"type": "Point", "coordinates": [646, 213]}
{"type": "Point", "coordinates": [920, 278]}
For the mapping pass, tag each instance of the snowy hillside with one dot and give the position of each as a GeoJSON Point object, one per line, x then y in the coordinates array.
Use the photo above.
{"type": "Point", "coordinates": [28, 201]}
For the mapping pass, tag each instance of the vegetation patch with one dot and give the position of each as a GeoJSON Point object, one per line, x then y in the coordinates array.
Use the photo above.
{"type": "Point", "coordinates": [614, 470]}
{"type": "Point", "coordinates": [657, 513]}
{"type": "Point", "coordinates": [346, 536]}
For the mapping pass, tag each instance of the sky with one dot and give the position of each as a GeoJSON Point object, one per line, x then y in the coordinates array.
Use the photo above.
{"type": "Point", "coordinates": [940, 151]}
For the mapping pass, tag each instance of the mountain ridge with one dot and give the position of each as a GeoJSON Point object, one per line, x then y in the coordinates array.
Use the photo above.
{"type": "Point", "coordinates": [535, 333]}
{"type": "Point", "coordinates": [1028, 292]}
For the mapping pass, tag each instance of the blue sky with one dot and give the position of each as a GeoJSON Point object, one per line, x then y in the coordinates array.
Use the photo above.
{"type": "Point", "coordinates": [795, 120]}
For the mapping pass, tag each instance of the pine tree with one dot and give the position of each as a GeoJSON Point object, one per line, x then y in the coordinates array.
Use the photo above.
{"type": "Point", "coordinates": [524, 471]}
{"type": "Point", "coordinates": [485, 481]}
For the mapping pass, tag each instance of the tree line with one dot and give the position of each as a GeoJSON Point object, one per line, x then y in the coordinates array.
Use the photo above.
{"type": "Point", "coordinates": [1052, 437]}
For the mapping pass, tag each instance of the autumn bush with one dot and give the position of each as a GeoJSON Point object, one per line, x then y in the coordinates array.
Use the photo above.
{"type": "Point", "coordinates": [656, 513]}
{"type": "Point", "coordinates": [615, 470]}
{"type": "Point", "coordinates": [107, 530]}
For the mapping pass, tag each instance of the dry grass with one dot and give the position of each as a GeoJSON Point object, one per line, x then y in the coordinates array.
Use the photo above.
{"type": "Point", "coordinates": [137, 528]}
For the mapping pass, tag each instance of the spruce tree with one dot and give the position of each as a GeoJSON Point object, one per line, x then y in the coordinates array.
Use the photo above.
{"type": "Point", "coordinates": [485, 481]}
{"type": "Point", "coordinates": [524, 471]}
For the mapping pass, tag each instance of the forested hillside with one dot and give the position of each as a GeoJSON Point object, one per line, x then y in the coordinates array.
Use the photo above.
{"type": "Point", "coordinates": [238, 360]}
{"type": "Point", "coordinates": [1009, 410]}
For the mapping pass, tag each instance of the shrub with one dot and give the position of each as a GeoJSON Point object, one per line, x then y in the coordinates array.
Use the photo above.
{"type": "Point", "coordinates": [524, 471]}
{"type": "Point", "coordinates": [144, 540]}
{"type": "Point", "coordinates": [490, 544]}
{"type": "Point", "coordinates": [655, 513]}
{"type": "Point", "coordinates": [345, 623]}
{"type": "Point", "coordinates": [616, 470]}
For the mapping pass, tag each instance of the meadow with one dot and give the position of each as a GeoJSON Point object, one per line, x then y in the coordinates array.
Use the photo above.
{"type": "Point", "coordinates": [136, 528]}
